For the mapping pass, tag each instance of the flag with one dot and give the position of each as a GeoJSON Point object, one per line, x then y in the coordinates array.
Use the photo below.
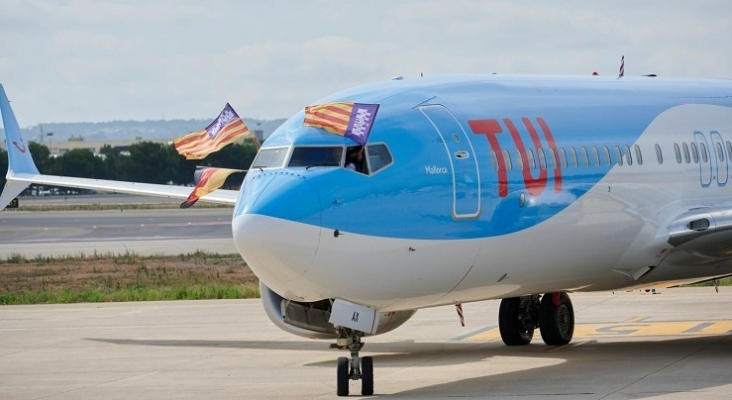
{"type": "Point", "coordinates": [227, 128]}
{"type": "Point", "coordinates": [621, 73]}
{"type": "Point", "coordinates": [352, 120]}
{"type": "Point", "coordinates": [207, 179]}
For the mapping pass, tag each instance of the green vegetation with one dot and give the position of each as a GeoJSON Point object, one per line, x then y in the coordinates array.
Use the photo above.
{"type": "Point", "coordinates": [142, 293]}
{"type": "Point", "coordinates": [124, 277]}
{"type": "Point", "coordinates": [721, 281]}
{"type": "Point", "coordinates": [146, 162]}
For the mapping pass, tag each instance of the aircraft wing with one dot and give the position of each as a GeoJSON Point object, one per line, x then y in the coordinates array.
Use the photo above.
{"type": "Point", "coordinates": [220, 196]}
{"type": "Point", "coordinates": [695, 238]}
{"type": "Point", "coordinates": [22, 172]}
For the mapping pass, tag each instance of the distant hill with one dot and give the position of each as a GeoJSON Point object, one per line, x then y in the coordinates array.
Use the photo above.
{"type": "Point", "coordinates": [130, 130]}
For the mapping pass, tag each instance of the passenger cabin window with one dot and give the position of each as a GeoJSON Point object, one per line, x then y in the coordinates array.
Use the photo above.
{"type": "Point", "coordinates": [729, 150]}
{"type": "Point", "coordinates": [659, 154]}
{"type": "Point", "coordinates": [687, 156]}
{"type": "Point", "coordinates": [519, 160]}
{"type": "Point", "coordinates": [316, 156]}
{"type": "Point", "coordinates": [507, 160]}
{"type": "Point", "coordinates": [703, 151]}
{"type": "Point", "coordinates": [608, 159]}
{"type": "Point", "coordinates": [694, 152]}
{"type": "Point", "coordinates": [573, 156]}
{"type": "Point", "coordinates": [677, 150]}
{"type": "Point", "coordinates": [720, 152]}
{"type": "Point", "coordinates": [552, 158]}
{"type": "Point", "coordinates": [638, 155]}
{"type": "Point", "coordinates": [532, 160]}
{"type": "Point", "coordinates": [563, 157]}
{"type": "Point", "coordinates": [494, 160]}
{"type": "Point", "coordinates": [585, 156]}
{"type": "Point", "coordinates": [379, 157]}
{"type": "Point", "coordinates": [596, 156]}
{"type": "Point", "coordinates": [619, 156]}
{"type": "Point", "coordinates": [628, 156]}
{"type": "Point", "coordinates": [270, 158]}
{"type": "Point", "coordinates": [542, 158]}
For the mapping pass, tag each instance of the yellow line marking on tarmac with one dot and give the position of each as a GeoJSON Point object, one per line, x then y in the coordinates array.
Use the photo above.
{"type": "Point", "coordinates": [632, 328]}
{"type": "Point", "coordinates": [557, 348]}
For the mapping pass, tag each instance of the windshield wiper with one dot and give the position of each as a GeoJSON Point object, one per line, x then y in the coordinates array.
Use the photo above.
{"type": "Point", "coordinates": [322, 165]}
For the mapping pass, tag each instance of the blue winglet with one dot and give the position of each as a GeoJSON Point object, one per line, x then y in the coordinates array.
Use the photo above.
{"type": "Point", "coordinates": [19, 157]}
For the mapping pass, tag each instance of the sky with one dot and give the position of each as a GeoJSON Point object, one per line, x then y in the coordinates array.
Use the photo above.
{"type": "Point", "coordinates": [104, 60]}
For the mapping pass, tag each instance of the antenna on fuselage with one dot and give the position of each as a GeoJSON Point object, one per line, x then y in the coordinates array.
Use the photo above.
{"type": "Point", "coordinates": [621, 73]}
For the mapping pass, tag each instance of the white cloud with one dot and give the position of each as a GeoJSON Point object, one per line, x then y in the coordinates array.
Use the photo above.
{"type": "Point", "coordinates": [101, 60]}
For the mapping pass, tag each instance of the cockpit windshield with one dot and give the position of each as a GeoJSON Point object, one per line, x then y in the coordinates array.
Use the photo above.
{"type": "Point", "coordinates": [316, 156]}
{"type": "Point", "coordinates": [270, 158]}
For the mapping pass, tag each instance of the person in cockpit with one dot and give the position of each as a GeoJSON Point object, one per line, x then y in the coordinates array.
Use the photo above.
{"type": "Point", "coordinates": [354, 159]}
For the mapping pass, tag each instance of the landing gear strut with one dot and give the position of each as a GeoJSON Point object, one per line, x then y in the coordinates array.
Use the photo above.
{"type": "Point", "coordinates": [518, 317]}
{"type": "Point", "coordinates": [358, 368]}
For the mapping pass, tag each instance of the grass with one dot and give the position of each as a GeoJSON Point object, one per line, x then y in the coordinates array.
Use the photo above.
{"type": "Point", "coordinates": [136, 293]}
{"type": "Point", "coordinates": [124, 277]}
{"type": "Point", "coordinates": [721, 281]}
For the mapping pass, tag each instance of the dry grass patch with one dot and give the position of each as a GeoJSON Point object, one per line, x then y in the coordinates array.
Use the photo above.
{"type": "Point", "coordinates": [124, 277]}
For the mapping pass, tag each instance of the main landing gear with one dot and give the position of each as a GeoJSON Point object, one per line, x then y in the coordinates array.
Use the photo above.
{"type": "Point", "coordinates": [553, 315]}
{"type": "Point", "coordinates": [357, 367]}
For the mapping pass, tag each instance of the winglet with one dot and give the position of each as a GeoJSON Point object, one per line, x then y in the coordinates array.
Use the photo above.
{"type": "Point", "coordinates": [19, 157]}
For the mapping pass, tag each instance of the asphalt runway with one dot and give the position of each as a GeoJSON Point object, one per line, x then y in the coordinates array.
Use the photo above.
{"type": "Point", "coordinates": [629, 345]}
{"type": "Point", "coordinates": [143, 232]}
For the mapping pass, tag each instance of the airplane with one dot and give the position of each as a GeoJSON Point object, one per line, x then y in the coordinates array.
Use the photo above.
{"type": "Point", "coordinates": [474, 188]}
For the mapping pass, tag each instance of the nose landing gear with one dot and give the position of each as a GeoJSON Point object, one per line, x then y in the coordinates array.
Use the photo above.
{"type": "Point", "coordinates": [357, 367]}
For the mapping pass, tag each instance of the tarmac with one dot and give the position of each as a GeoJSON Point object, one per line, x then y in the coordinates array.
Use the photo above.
{"type": "Point", "coordinates": [674, 344]}
{"type": "Point", "coordinates": [142, 232]}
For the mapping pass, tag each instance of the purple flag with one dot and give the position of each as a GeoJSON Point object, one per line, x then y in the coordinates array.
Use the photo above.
{"type": "Point", "coordinates": [359, 125]}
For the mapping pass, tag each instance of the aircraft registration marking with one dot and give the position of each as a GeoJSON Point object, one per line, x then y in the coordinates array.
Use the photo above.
{"type": "Point", "coordinates": [632, 328]}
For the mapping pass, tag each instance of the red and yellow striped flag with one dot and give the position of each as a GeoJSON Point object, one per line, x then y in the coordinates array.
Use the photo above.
{"type": "Point", "coordinates": [226, 129]}
{"type": "Point", "coordinates": [207, 180]}
{"type": "Point", "coordinates": [353, 120]}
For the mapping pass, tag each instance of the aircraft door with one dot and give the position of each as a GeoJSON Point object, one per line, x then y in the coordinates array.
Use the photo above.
{"type": "Point", "coordinates": [464, 165]}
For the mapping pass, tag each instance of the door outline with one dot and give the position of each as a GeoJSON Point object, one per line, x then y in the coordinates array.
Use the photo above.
{"type": "Point", "coordinates": [704, 179]}
{"type": "Point", "coordinates": [462, 206]}
{"type": "Point", "coordinates": [722, 170]}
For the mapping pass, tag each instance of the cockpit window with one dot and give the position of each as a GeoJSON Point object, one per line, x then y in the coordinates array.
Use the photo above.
{"type": "Point", "coordinates": [316, 156]}
{"type": "Point", "coordinates": [270, 158]}
{"type": "Point", "coordinates": [378, 156]}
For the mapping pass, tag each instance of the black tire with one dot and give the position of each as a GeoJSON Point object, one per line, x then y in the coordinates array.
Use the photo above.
{"type": "Point", "coordinates": [367, 376]}
{"type": "Point", "coordinates": [513, 330]}
{"type": "Point", "coordinates": [556, 319]}
{"type": "Point", "coordinates": [343, 376]}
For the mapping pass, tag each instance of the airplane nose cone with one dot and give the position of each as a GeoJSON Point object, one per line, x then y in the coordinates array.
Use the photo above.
{"type": "Point", "coordinates": [276, 227]}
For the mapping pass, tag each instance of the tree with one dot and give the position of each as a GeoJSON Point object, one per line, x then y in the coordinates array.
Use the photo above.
{"type": "Point", "coordinates": [238, 156]}
{"type": "Point", "coordinates": [110, 155]}
{"type": "Point", "coordinates": [80, 163]}
{"type": "Point", "coordinates": [153, 163]}
{"type": "Point", "coordinates": [41, 156]}
{"type": "Point", "coordinates": [3, 166]}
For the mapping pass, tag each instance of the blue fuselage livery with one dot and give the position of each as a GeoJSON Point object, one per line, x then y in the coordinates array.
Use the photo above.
{"type": "Point", "coordinates": [565, 182]}
{"type": "Point", "coordinates": [475, 187]}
